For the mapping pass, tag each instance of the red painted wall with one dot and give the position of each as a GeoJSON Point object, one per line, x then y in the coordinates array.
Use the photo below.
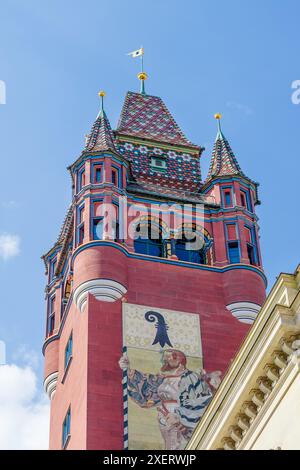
{"type": "Point", "coordinates": [93, 383]}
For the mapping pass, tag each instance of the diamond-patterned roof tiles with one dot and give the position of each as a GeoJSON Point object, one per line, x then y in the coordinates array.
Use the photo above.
{"type": "Point", "coordinates": [101, 136]}
{"type": "Point", "coordinates": [223, 160]}
{"type": "Point", "coordinates": [147, 117]}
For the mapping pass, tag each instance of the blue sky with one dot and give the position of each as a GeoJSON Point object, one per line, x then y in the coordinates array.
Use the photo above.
{"type": "Point", "coordinates": [202, 57]}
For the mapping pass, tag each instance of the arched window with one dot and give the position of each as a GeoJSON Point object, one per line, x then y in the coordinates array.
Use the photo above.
{"type": "Point", "coordinates": [184, 251]}
{"type": "Point", "coordinates": [148, 240]}
{"type": "Point", "coordinates": [193, 244]}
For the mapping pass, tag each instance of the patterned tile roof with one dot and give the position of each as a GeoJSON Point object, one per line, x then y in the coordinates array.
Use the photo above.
{"type": "Point", "coordinates": [101, 136]}
{"type": "Point", "coordinates": [147, 117]}
{"type": "Point", "coordinates": [181, 169]}
{"type": "Point", "coordinates": [68, 221]}
{"type": "Point", "coordinates": [223, 160]}
{"type": "Point", "coordinates": [64, 236]}
{"type": "Point", "coordinates": [164, 191]}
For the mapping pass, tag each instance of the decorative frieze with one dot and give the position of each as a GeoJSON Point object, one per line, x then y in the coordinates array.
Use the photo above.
{"type": "Point", "coordinates": [272, 372]}
{"type": "Point", "coordinates": [280, 359]}
{"type": "Point", "coordinates": [265, 385]}
{"type": "Point", "coordinates": [249, 409]}
{"type": "Point", "coordinates": [236, 433]}
{"type": "Point", "coordinates": [228, 443]}
{"type": "Point", "coordinates": [287, 348]}
{"type": "Point", "coordinates": [257, 397]}
{"type": "Point", "coordinates": [243, 422]}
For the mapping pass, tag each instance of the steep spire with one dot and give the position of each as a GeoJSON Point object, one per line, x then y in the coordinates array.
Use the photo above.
{"type": "Point", "coordinates": [101, 136]}
{"type": "Point", "coordinates": [223, 160]}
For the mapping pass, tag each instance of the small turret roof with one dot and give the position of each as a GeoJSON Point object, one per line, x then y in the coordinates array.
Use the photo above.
{"type": "Point", "coordinates": [101, 136]}
{"type": "Point", "coordinates": [223, 161]}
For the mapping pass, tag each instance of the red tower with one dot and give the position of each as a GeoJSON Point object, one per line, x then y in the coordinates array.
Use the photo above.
{"type": "Point", "coordinates": [153, 264]}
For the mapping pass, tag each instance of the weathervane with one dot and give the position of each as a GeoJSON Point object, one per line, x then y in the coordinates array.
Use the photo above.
{"type": "Point", "coordinates": [142, 76]}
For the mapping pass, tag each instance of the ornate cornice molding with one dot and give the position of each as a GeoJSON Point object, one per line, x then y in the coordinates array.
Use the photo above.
{"type": "Point", "coordinates": [287, 352]}
{"type": "Point", "coordinates": [259, 376]}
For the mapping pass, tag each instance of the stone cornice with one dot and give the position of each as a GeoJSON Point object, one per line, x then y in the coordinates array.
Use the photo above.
{"type": "Point", "coordinates": [262, 397]}
{"type": "Point", "coordinates": [287, 374]}
{"type": "Point", "coordinates": [155, 259]}
{"type": "Point", "coordinates": [269, 349]}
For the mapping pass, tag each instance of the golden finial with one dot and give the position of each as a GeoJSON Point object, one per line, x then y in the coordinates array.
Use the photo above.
{"type": "Point", "coordinates": [101, 94]}
{"type": "Point", "coordinates": [218, 116]}
{"type": "Point", "coordinates": [142, 76]}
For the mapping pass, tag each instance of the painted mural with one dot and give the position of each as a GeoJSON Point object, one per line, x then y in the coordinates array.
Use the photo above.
{"type": "Point", "coordinates": [165, 385]}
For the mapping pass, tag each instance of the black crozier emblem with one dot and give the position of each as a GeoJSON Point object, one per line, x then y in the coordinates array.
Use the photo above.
{"type": "Point", "coordinates": [161, 337]}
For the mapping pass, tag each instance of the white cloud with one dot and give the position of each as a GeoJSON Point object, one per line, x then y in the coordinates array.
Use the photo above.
{"type": "Point", "coordinates": [9, 245]}
{"type": "Point", "coordinates": [2, 352]}
{"type": "Point", "coordinates": [243, 108]}
{"type": "Point", "coordinates": [25, 355]}
{"type": "Point", "coordinates": [11, 204]}
{"type": "Point", "coordinates": [24, 412]}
